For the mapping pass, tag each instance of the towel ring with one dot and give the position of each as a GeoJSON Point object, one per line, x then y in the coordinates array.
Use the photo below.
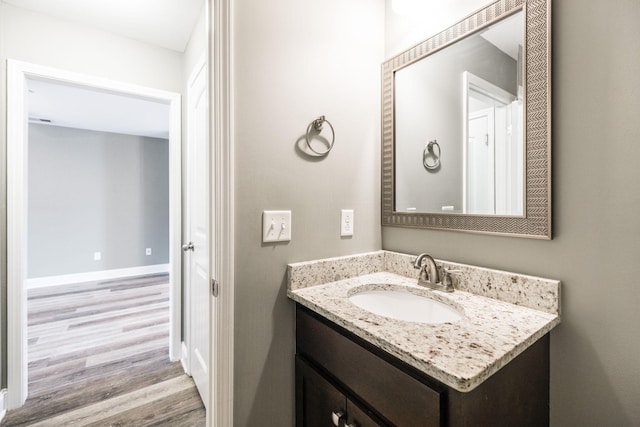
{"type": "Point", "coordinates": [429, 153]}
{"type": "Point", "coordinates": [317, 126]}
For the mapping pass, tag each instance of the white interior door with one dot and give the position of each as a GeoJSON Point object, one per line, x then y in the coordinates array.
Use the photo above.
{"type": "Point", "coordinates": [197, 248]}
{"type": "Point", "coordinates": [480, 163]}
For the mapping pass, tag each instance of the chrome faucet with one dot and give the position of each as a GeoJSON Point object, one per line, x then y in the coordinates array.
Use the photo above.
{"type": "Point", "coordinates": [428, 270]}
{"type": "Point", "coordinates": [430, 275]}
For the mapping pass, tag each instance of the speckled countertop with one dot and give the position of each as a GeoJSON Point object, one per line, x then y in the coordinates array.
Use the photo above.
{"type": "Point", "coordinates": [461, 354]}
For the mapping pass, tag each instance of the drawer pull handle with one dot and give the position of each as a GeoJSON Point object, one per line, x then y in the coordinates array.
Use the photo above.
{"type": "Point", "coordinates": [337, 417]}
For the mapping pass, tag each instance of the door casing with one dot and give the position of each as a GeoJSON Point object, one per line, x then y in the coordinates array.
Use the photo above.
{"type": "Point", "coordinates": [18, 73]}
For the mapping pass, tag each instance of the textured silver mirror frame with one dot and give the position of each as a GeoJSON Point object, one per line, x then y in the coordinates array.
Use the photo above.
{"type": "Point", "coordinates": [536, 222]}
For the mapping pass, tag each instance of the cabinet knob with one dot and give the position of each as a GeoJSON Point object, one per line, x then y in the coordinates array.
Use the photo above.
{"type": "Point", "coordinates": [336, 417]}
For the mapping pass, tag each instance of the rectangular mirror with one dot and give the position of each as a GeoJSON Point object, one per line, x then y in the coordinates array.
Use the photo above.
{"type": "Point", "coordinates": [466, 126]}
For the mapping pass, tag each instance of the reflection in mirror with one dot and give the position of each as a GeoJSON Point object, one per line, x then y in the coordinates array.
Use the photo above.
{"type": "Point", "coordinates": [468, 97]}
{"type": "Point", "coordinates": [493, 149]}
{"type": "Point", "coordinates": [481, 91]}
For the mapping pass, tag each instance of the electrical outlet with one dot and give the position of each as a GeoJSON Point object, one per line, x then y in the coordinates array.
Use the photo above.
{"type": "Point", "coordinates": [346, 222]}
{"type": "Point", "coordinates": [97, 256]}
{"type": "Point", "coordinates": [147, 251]}
{"type": "Point", "coordinates": [276, 226]}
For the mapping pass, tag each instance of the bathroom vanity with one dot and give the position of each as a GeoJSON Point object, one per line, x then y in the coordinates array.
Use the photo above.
{"type": "Point", "coordinates": [358, 368]}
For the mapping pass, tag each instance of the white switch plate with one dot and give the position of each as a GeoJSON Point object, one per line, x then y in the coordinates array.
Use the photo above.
{"type": "Point", "coordinates": [97, 256]}
{"type": "Point", "coordinates": [346, 222]}
{"type": "Point", "coordinates": [276, 226]}
{"type": "Point", "coordinates": [147, 251]}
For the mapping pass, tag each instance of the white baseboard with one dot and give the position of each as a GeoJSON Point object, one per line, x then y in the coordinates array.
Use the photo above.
{"type": "Point", "coordinates": [65, 279]}
{"type": "Point", "coordinates": [3, 404]}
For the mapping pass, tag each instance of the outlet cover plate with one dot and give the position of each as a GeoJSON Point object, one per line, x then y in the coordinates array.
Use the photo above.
{"type": "Point", "coordinates": [276, 226]}
{"type": "Point", "coordinates": [346, 222]}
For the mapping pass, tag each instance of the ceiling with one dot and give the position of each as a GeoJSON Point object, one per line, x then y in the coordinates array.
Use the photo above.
{"type": "Point", "coordinates": [163, 23]}
{"type": "Point", "coordinates": [506, 35]}
{"type": "Point", "coordinates": [58, 104]}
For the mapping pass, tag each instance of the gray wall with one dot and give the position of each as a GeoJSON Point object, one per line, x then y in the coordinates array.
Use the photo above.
{"type": "Point", "coordinates": [95, 192]}
{"type": "Point", "coordinates": [428, 106]}
{"type": "Point", "coordinates": [296, 60]}
{"type": "Point", "coordinates": [595, 379]}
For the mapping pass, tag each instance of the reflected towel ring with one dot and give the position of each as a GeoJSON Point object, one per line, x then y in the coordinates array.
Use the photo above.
{"type": "Point", "coordinates": [317, 126]}
{"type": "Point", "coordinates": [429, 153]}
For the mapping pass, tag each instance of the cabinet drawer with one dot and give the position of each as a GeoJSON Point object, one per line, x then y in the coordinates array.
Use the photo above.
{"type": "Point", "coordinates": [395, 395]}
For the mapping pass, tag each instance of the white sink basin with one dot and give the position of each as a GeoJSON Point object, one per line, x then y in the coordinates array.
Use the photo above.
{"type": "Point", "coordinates": [405, 306]}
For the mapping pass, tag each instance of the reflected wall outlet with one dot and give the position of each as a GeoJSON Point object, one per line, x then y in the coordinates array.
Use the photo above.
{"type": "Point", "coordinates": [276, 226]}
{"type": "Point", "coordinates": [346, 222]}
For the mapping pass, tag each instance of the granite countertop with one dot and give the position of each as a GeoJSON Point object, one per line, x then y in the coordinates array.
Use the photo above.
{"type": "Point", "coordinates": [461, 354]}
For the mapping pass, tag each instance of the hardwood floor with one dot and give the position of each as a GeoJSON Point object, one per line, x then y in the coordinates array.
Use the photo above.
{"type": "Point", "coordinates": [99, 356]}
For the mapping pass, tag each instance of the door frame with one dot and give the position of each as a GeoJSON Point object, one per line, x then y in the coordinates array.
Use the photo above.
{"type": "Point", "coordinates": [18, 73]}
{"type": "Point", "coordinates": [221, 105]}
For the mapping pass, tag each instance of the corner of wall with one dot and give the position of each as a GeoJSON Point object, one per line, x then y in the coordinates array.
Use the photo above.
{"type": "Point", "coordinates": [3, 198]}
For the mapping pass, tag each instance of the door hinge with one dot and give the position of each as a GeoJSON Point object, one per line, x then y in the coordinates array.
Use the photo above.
{"type": "Point", "coordinates": [215, 287]}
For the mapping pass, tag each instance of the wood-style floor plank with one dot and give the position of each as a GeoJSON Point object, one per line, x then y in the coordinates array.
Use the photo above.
{"type": "Point", "coordinates": [99, 356]}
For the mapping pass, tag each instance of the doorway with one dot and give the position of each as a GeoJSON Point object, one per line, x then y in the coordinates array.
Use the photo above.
{"type": "Point", "coordinates": [18, 75]}
{"type": "Point", "coordinates": [493, 176]}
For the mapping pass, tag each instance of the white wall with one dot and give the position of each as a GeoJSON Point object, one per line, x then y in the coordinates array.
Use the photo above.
{"type": "Point", "coordinates": [595, 379]}
{"type": "Point", "coordinates": [44, 40]}
{"type": "Point", "coordinates": [196, 46]}
{"type": "Point", "coordinates": [296, 60]}
{"type": "Point", "coordinates": [404, 31]}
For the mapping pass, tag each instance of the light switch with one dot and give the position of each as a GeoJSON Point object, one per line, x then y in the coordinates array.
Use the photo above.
{"type": "Point", "coordinates": [346, 222]}
{"type": "Point", "coordinates": [276, 226]}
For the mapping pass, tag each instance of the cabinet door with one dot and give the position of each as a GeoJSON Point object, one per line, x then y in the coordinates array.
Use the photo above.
{"type": "Point", "coordinates": [318, 402]}
{"type": "Point", "coordinates": [357, 417]}
{"type": "Point", "coordinates": [399, 397]}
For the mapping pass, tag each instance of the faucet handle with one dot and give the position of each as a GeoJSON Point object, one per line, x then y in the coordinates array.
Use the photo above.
{"type": "Point", "coordinates": [448, 272]}
{"type": "Point", "coordinates": [447, 282]}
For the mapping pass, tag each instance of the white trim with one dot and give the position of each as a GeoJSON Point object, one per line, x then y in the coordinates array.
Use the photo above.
{"type": "Point", "coordinates": [3, 403]}
{"type": "Point", "coordinates": [92, 276]}
{"type": "Point", "coordinates": [16, 236]}
{"type": "Point", "coordinates": [17, 118]}
{"type": "Point", "coordinates": [220, 19]}
{"type": "Point", "coordinates": [175, 226]}
{"type": "Point", "coordinates": [184, 360]}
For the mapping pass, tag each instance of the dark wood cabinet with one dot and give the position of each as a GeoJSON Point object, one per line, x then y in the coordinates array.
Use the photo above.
{"type": "Point", "coordinates": [338, 372]}
{"type": "Point", "coordinates": [321, 404]}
